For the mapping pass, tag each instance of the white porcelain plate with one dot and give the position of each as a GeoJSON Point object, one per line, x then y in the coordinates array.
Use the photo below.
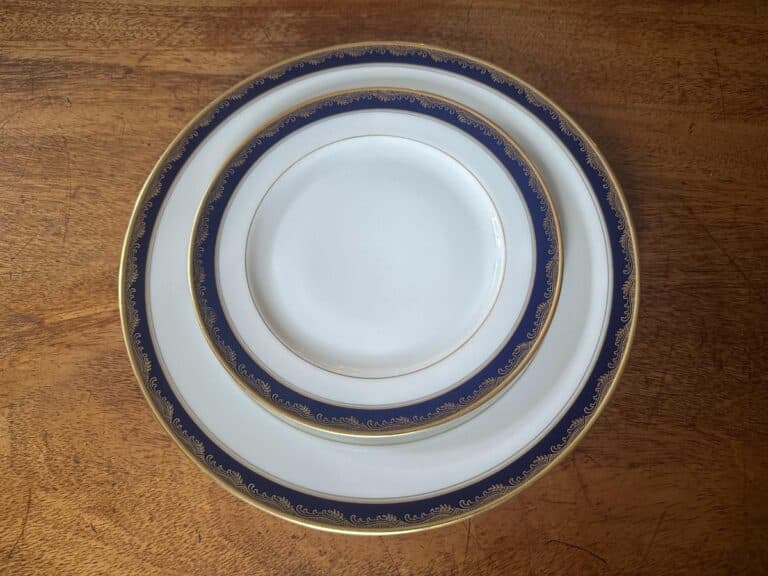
{"type": "Point", "coordinates": [385, 487]}
{"type": "Point", "coordinates": [376, 262]}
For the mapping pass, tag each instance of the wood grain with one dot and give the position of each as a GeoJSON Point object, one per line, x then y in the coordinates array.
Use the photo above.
{"type": "Point", "coordinates": [671, 478]}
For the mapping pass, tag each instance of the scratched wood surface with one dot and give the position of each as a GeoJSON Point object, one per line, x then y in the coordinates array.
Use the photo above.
{"type": "Point", "coordinates": [669, 481]}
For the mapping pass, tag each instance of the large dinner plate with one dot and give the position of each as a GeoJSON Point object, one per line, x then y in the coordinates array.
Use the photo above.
{"type": "Point", "coordinates": [391, 487]}
{"type": "Point", "coordinates": [395, 246]}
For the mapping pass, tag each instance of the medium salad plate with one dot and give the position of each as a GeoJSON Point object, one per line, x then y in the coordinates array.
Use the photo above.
{"type": "Point", "coordinates": [387, 487]}
{"type": "Point", "coordinates": [376, 263]}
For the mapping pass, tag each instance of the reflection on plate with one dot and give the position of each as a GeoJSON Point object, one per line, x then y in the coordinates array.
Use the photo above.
{"type": "Point", "coordinates": [379, 253]}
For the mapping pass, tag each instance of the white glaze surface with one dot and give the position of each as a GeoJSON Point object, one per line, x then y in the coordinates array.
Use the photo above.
{"type": "Point", "coordinates": [375, 256]}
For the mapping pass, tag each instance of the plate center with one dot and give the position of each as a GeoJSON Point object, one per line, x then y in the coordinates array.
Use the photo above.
{"type": "Point", "coordinates": [375, 256]}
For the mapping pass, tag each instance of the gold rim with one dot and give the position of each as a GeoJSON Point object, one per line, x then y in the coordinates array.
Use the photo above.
{"type": "Point", "coordinates": [297, 416]}
{"type": "Point", "coordinates": [632, 292]}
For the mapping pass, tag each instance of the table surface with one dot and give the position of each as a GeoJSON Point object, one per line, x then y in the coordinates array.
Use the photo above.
{"type": "Point", "coordinates": [669, 480]}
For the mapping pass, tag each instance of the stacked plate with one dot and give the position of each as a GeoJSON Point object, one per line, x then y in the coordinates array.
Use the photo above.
{"type": "Point", "coordinates": [379, 287]}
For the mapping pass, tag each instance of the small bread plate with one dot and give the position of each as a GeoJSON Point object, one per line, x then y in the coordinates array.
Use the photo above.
{"type": "Point", "coordinates": [376, 263]}
{"type": "Point", "coordinates": [294, 295]}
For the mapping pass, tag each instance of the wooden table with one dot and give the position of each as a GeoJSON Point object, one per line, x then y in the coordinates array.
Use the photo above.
{"type": "Point", "coordinates": [671, 478]}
